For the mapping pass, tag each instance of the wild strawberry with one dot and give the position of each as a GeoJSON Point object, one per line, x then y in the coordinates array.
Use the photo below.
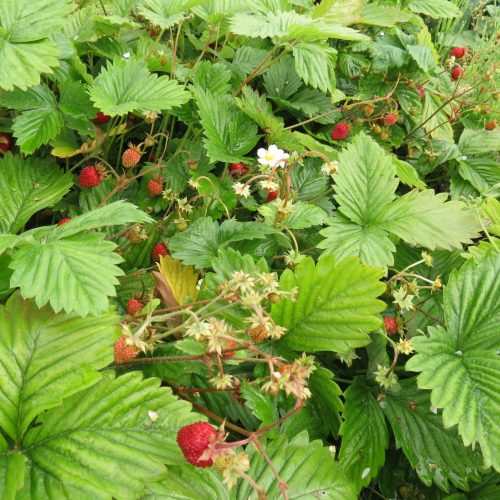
{"type": "Point", "coordinates": [5, 142]}
{"type": "Point", "coordinates": [340, 132]}
{"type": "Point", "coordinates": [124, 351]}
{"type": "Point", "coordinates": [420, 90]}
{"type": "Point", "coordinates": [134, 306]}
{"type": "Point", "coordinates": [257, 333]}
{"type": "Point", "coordinates": [456, 72]}
{"type": "Point", "coordinates": [490, 125]}
{"type": "Point", "coordinates": [272, 195]}
{"type": "Point", "coordinates": [237, 170]}
{"type": "Point", "coordinates": [391, 325]}
{"type": "Point", "coordinates": [90, 176]}
{"type": "Point", "coordinates": [194, 441]}
{"type": "Point", "coordinates": [159, 250]}
{"type": "Point", "coordinates": [377, 129]}
{"type": "Point", "coordinates": [390, 119]}
{"type": "Point", "coordinates": [368, 110]}
{"type": "Point", "coordinates": [63, 221]}
{"type": "Point", "coordinates": [230, 345]}
{"type": "Point", "coordinates": [131, 156]}
{"type": "Point", "coordinates": [458, 52]}
{"type": "Point", "coordinates": [101, 118]}
{"type": "Point", "coordinates": [155, 186]}
{"type": "Point", "coordinates": [384, 135]}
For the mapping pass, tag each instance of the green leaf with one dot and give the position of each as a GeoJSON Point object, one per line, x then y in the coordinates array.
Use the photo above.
{"type": "Point", "coordinates": [308, 468]}
{"type": "Point", "coordinates": [7, 241]}
{"type": "Point", "coordinates": [46, 357]}
{"type": "Point", "coordinates": [28, 186]}
{"type": "Point", "coordinates": [364, 435]}
{"type": "Point", "coordinates": [336, 305]}
{"type": "Point", "coordinates": [12, 469]}
{"type": "Point", "coordinates": [229, 135]}
{"type": "Point", "coordinates": [261, 404]}
{"type": "Point", "coordinates": [427, 219]}
{"type": "Point", "coordinates": [201, 241]}
{"type": "Point", "coordinates": [102, 443]}
{"type": "Point", "coordinates": [482, 173]}
{"type": "Point", "coordinates": [461, 364]}
{"type": "Point", "coordinates": [477, 142]}
{"type": "Point", "coordinates": [303, 215]}
{"type": "Point", "coordinates": [166, 13]}
{"type": "Point", "coordinates": [281, 80]}
{"type": "Point", "coordinates": [40, 120]}
{"type": "Point", "coordinates": [436, 454]}
{"type": "Point", "coordinates": [422, 55]}
{"type": "Point", "coordinates": [25, 49]}
{"type": "Point", "coordinates": [127, 86]}
{"type": "Point", "coordinates": [344, 239]}
{"type": "Point", "coordinates": [77, 273]}
{"type": "Point", "coordinates": [365, 183]}
{"type": "Point", "coordinates": [315, 64]}
{"type": "Point", "coordinates": [408, 174]}
{"type": "Point", "coordinates": [434, 8]}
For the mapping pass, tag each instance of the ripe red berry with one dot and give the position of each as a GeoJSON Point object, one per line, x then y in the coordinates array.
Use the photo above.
{"type": "Point", "coordinates": [90, 176]}
{"type": "Point", "coordinates": [5, 142]}
{"type": "Point", "coordinates": [458, 52]}
{"type": "Point", "coordinates": [124, 352]}
{"type": "Point", "coordinates": [194, 440]}
{"type": "Point", "coordinates": [340, 132]}
{"type": "Point", "coordinates": [230, 345]}
{"type": "Point", "coordinates": [420, 90]}
{"type": "Point", "coordinates": [131, 157]}
{"type": "Point", "coordinates": [101, 118]}
{"type": "Point", "coordinates": [134, 306]}
{"type": "Point", "coordinates": [237, 170]}
{"type": "Point", "coordinates": [272, 195]}
{"type": "Point", "coordinates": [63, 221]}
{"type": "Point", "coordinates": [390, 119]}
{"type": "Point", "coordinates": [155, 187]}
{"type": "Point", "coordinates": [159, 250]}
{"type": "Point", "coordinates": [391, 325]}
{"type": "Point", "coordinates": [456, 72]}
{"type": "Point", "coordinates": [490, 125]}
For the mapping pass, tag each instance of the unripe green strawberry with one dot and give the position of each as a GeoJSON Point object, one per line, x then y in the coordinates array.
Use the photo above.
{"type": "Point", "coordinates": [368, 110]}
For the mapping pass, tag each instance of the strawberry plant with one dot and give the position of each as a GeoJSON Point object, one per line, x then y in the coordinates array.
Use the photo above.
{"type": "Point", "coordinates": [249, 249]}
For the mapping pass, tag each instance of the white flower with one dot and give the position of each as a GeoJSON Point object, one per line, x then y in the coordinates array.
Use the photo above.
{"type": "Point", "coordinates": [241, 189]}
{"type": "Point", "coordinates": [272, 157]}
{"type": "Point", "coordinates": [269, 185]}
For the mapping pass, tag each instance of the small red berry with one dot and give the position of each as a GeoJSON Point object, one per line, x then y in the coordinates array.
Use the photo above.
{"type": "Point", "coordinates": [456, 72]}
{"type": "Point", "coordinates": [134, 306]}
{"type": "Point", "coordinates": [90, 176]}
{"type": "Point", "coordinates": [490, 125]}
{"type": "Point", "coordinates": [131, 157]}
{"type": "Point", "coordinates": [194, 441]}
{"type": "Point", "coordinates": [159, 250]}
{"type": "Point", "coordinates": [458, 52]}
{"type": "Point", "coordinates": [5, 142]}
{"type": "Point", "coordinates": [390, 119]}
{"type": "Point", "coordinates": [63, 221]}
{"type": "Point", "coordinates": [340, 132]}
{"type": "Point", "coordinates": [101, 118]}
{"type": "Point", "coordinates": [237, 170]}
{"type": "Point", "coordinates": [391, 325]}
{"type": "Point", "coordinates": [230, 345]}
{"type": "Point", "coordinates": [155, 186]}
{"type": "Point", "coordinates": [272, 195]}
{"type": "Point", "coordinates": [420, 90]}
{"type": "Point", "coordinates": [123, 351]}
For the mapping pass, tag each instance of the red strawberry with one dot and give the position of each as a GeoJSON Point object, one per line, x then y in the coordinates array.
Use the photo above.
{"type": "Point", "coordinates": [134, 306]}
{"type": "Point", "coordinates": [5, 142]}
{"type": "Point", "coordinates": [101, 118]}
{"type": "Point", "coordinates": [159, 250]}
{"type": "Point", "coordinates": [237, 170]}
{"type": "Point", "coordinates": [90, 176]}
{"type": "Point", "coordinates": [391, 325]}
{"type": "Point", "coordinates": [420, 90]}
{"type": "Point", "coordinates": [155, 186]}
{"type": "Point", "coordinates": [458, 52]}
{"type": "Point", "coordinates": [131, 156]}
{"type": "Point", "coordinates": [390, 119]}
{"type": "Point", "coordinates": [272, 195]}
{"type": "Point", "coordinates": [340, 132]}
{"type": "Point", "coordinates": [194, 440]}
{"type": "Point", "coordinates": [456, 72]}
{"type": "Point", "coordinates": [63, 221]}
{"type": "Point", "coordinates": [230, 345]}
{"type": "Point", "coordinates": [490, 125]}
{"type": "Point", "coordinates": [123, 351]}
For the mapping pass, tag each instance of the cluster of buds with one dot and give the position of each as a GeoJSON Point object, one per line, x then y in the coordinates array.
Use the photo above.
{"type": "Point", "coordinates": [292, 379]}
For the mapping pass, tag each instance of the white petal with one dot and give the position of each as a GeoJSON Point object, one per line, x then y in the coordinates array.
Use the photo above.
{"type": "Point", "coordinates": [273, 149]}
{"type": "Point", "coordinates": [261, 152]}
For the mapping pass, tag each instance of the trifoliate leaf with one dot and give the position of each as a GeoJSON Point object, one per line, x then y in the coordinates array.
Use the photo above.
{"type": "Point", "coordinates": [461, 364]}
{"type": "Point", "coordinates": [315, 64]}
{"type": "Point", "coordinates": [336, 305]}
